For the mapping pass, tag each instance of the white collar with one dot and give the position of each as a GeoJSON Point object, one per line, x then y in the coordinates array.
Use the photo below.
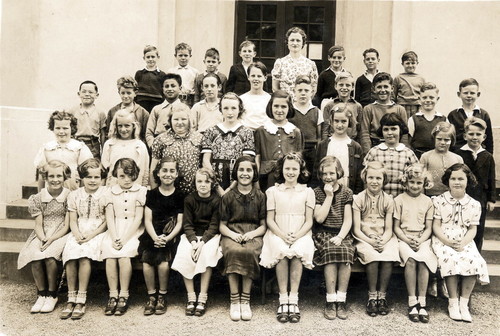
{"type": "Point", "coordinates": [347, 140]}
{"type": "Point", "coordinates": [467, 148]}
{"type": "Point", "coordinates": [272, 128]}
{"type": "Point", "coordinates": [436, 114]}
{"type": "Point", "coordinates": [297, 187]}
{"type": "Point", "coordinates": [399, 147]}
{"type": "Point", "coordinates": [72, 145]}
{"type": "Point", "coordinates": [96, 195]}
{"type": "Point", "coordinates": [227, 130]}
{"type": "Point", "coordinates": [46, 197]}
{"type": "Point", "coordinates": [476, 108]}
{"type": "Point", "coordinates": [390, 104]}
{"type": "Point", "coordinates": [157, 70]}
{"type": "Point", "coordinates": [117, 190]}
{"type": "Point", "coordinates": [307, 109]}
{"type": "Point", "coordinates": [450, 199]}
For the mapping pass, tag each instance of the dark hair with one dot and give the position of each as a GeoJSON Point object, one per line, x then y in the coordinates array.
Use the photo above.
{"type": "Point", "coordinates": [209, 173]}
{"type": "Point", "coordinates": [182, 46]}
{"type": "Point", "coordinates": [92, 163]}
{"type": "Point", "coordinates": [392, 119]}
{"type": "Point", "coordinates": [211, 74]}
{"type": "Point", "coordinates": [294, 156]}
{"type": "Point", "coordinates": [63, 115]}
{"type": "Point", "coordinates": [129, 167]}
{"type": "Point", "coordinates": [382, 76]}
{"type": "Point", "coordinates": [371, 50]}
{"type": "Point", "coordinates": [428, 86]}
{"type": "Point", "coordinates": [233, 96]}
{"type": "Point", "coordinates": [245, 158]}
{"type": "Point", "coordinates": [149, 48]}
{"type": "Point", "coordinates": [88, 82]}
{"type": "Point", "coordinates": [374, 165]}
{"type": "Point", "coordinates": [258, 65]}
{"type": "Point", "coordinates": [445, 127]}
{"type": "Point", "coordinates": [280, 94]}
{"type": "Point", "coordinates": [409, 56]}
{"type": "Point", "coordinates": [170, 75]}
{"type": "Point", "coordinates": [212, 52]}
{"type": "Point", "coordinates": [330, 161]}
{"type": "Point", "coordinates": [303, 79]}
{"type": "Point", "coordinates": [247, 43]}
{"type": "Point", "coordinates": [160, 163]}
{"type": "Point", "coordinates": [471, 179]}
{"type": "Point", "coordinates": [467, 82]}
{"type": "Point", "coordinates": [335, 49]}
{"type": "Point", "coordinates": [296, 30]}
{"type": "Point", "coordinates": [55, 164]}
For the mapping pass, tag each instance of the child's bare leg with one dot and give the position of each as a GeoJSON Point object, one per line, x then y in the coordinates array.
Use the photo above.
{"type": "Point", "coordinates": [163, 272]}
{"type": "Point", "coordinates": [423, 279]}
{"type": "Point", "coordinates": [385, 275]}
{"type": "Point", "coordinates": [71, 274]}
{"type": "Point", "coordinates": [51, 267]}
{"type": "Point", "coordinates": [234, 283]}
{"type": "Point", "coordinates": [282, 275]}
{"type": "Point", "coordinates": [205, 281]}
{"type": "Point", "coordinates": [85, 267]}
{"type": "Point", "coordinates": [411, 276]}
{"type": "Point", "coordinates": [149, 277]}
{"type": "Point", "coordinates": [330, 278]}
{"type": "Point", "coordinates": [38, 272]}
{"type": "Point", "coordinates": [344, 274]}
{"type": "Point", "coordinates": [112, 274]}
{"type": "Point", "coordinates": [246, 284]}
{"type": "Point", "coordinates": [372, 275]}
{"type": "Point", "coordinates": [189, 284]}
{"type": "Point", "coordinates": [468, 283]}
{"type": "Point", "coordinates": [452, 285]}
{"type": "Point", "coordinates": [125, 273]}
{"type": "Point", "coordinates": [295, 274]}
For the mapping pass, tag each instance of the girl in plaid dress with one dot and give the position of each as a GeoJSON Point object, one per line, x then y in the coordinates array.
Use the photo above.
{"type": "Point", "coordinates": [392, 153]}
{"type": "Point", "coordinates": [331, 235]}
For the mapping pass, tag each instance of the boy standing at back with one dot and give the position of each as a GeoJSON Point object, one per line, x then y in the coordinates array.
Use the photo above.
{"type": "Point", "coordinates": [91, 127]}
{"type": "Point", "coordinates": [212, 61]}
{"type": "Point", "coordinates": [468, 92]}
{"type": "Point", "coordinates": [183, 53]}
{"type": "Point", "coordinates": [237, 81]}
{"type": "Point", "coordinates": [370, 118]}
{"type": "Point", "coordinates": [363, 89]}
{"type": "Point", "coordinates": [326, 79]}
{"type": "Point", "coordinates": [407, 84]}
{"type": "Point", "coordinates": [482, 165]}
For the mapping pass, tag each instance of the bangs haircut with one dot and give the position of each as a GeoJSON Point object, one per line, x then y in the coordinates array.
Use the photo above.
{"type": "Point", "coordinates": [280, 94]}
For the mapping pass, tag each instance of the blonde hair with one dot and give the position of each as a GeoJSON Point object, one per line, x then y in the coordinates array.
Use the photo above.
{"type": "Point", "coordinates": [113, 127]}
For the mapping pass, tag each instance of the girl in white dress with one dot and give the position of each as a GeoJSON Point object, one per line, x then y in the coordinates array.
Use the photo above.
{"type": "Point", "coordinates": [456, 217]}
{"type": "Point", "coordinates": [87, 223]}
{"type": "Point", "coordinates": [288, 243]}
{"type": "Point", "coordinates": [124, 204]}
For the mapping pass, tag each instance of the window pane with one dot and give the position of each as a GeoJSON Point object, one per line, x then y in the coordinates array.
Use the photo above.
{"type": "Point", "coordinates": [268, 30]}
{"type": "Point", "coordinates": [253, 31]}
{"type": "Point", "coordinates": [315, 33]}
{"type": "Point", "coordinates": [253, 12]}
{"type": "Point", "coordinates": [316, 14]}
{"type": "Point", "coordinates": [300, 14]}
{"type": "Point", "coordinates": [268, 48]}
{"type": "Point", "coordinates": [269, 13]}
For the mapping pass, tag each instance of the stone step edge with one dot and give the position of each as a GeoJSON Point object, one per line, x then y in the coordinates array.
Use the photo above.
{"type": "Point", "coordinates": [25, 224]}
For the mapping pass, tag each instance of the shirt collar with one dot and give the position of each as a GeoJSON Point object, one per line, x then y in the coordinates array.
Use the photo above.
{"type": "Point", "coordinates": [399, 147]}
{"type": "Point", "coordinates": [272, 128]}
{"type": "Point", "coordinates": [117, 190]}
{"type": "Point", "coordinates": [338, 100]}
{"type": "Point", "coordinates": [96, 195]}
{"type": "Point", "coordinates": [227, 130]}
{"type": "Point", "coordinates": [474, 153]}
{"type": "Point", "coordinates": [307, 109]}
{"type": "Point", "coordinates": [476, 108]}
{"type": "Point", "coordinates": [297, 187]}
{"type": "Point", "coordinates": [450, 199]}
{"type": "Point", "coordinates": [390, 104]}
{"type": "Point", "coordinates": [72, 145]}
{"type": "Point", "coordinates": [46, 197]}
{"type": "Point", "coordinates": [157, 70]}
{"type": "Point", "coordinates": [436, 114]}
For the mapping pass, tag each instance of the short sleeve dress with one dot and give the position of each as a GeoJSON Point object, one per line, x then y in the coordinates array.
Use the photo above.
{"type": "Point", "coordinates": [456, 216]}
{"type": "Point", "coordinates": [226, 146]}
{"type": "Point", "coordinates": [164, 210]}
{"type": "Point", "coordinates": [124, 203]}
{"type": "Point", "coordinates": [413, 212]}
{"type": "Point", "coordinates": [242, 213]}
{"type": "Point", "coordinates": [327, 252]}
{"type": "Point", "coordinates": [53, 211]}
{"type": "Point", "coordinates": [289, 204]}
{"type": "Point", "coordinates": [287, 69]}
{"type": "Point", "coordinates": [201, 223]}
{"type": "Point", "coordinates": [186, 152]}
{"type": "Point", "coordinates": [90, 211]}
{"type": "Point", "coordinates": [373, 210]}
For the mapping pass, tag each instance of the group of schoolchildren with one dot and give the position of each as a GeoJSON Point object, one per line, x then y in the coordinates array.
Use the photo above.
{"type": "Point", "coordinates": [278, 183]}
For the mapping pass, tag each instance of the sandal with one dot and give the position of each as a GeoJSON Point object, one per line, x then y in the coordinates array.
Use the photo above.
{"type": "Point", "coordinates": [282, 314]}
{"type": "Point", "coordinates": [294, 315]}
{"type": "Point", "coordinates": [200, 309]}
{"type": "Point", "coordinates": [190, 307]}
{"type": "Point", "coordinates": [79, 311]}
{"type": "Point", "coordinates": [423, 316]}
{"type": "Point", "coordinates": [67, 311]}
{"type": "Point", "coordinates": [413, 313]}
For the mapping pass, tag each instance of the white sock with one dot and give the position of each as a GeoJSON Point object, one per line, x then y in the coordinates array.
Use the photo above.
{"type": "Point", "coordinates": [331, 297]}
{"type": "Point", "coordinates": [421, 301]}
{"type": "Point", "coordinates": [412, 301]}
{"type": "Point", "coordinates": [283, 298]}
{"type": "Point", "coordinates": [293, 298]}
{"type": "Point", "coordinates": [341, 296]}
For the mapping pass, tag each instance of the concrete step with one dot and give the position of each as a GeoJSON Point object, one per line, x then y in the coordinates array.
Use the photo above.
{"type": "Point", "coordinates": [16, 230]}
{"type": "Point", "coordinates": [491, 251]}
{"type": "Point", "coordinates": [18, 210]}
{"type": "Point", "coordinates": [29, 189]}
{"type": "Point", "coordinates": [492, 229]}
{"type": "Point", "coordinates": [495, 214]}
